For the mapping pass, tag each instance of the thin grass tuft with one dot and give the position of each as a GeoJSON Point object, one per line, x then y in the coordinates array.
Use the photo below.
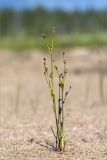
{"type": "Point", "coordinates": [58, 108]}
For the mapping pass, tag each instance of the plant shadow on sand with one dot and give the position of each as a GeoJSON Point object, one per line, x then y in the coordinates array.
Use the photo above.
{"type": "Point", "coordinates": [47, 144]}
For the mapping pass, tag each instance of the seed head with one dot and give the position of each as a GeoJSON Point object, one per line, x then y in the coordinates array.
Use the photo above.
{"type": "Point", "coordinates": [65, 62]}
{"type": "Point", "coordinates": [65, 72]}
{"type": "Point", "coordinates": [44, 35]}
{"type": "Point", "coordinates": [44, 63]}
{"type": "Point", "coordinates": [66, 93]}
{"type": "Point", "coordinates": [56, 67]}
{"type": "Point", "coordinates": [60, 75]}
{"type": "Point", "coordinates": [51, 75]}
{"type": "Point", "coordinates": [60, 109]}
{"type": "Point", "coordinates": [63, 53]}
{"type": "Point", "coordinates": [46, 69]}
{"type": "Point", "coordinates": [50, 49]}
{"type": "Point", "coordinates": [44, 59]}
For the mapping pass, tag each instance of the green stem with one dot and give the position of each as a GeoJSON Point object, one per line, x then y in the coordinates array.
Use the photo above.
{"type": "Point", "coordinates": [54, 101]}
{"type": "Point", "coordinates": [59, 114]}
{"type": "Point", "coordinates": [62, 140]}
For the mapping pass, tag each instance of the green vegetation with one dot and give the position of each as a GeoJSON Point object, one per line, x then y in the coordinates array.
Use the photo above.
{"type": "Point", "coordinates": [62, 41]}
{"type": "Point", "coordinates": [33, 22]}
{"type": "Point", "coordinates": [58, 108]}
{"type": "Point", "coordinates": [21, 30]}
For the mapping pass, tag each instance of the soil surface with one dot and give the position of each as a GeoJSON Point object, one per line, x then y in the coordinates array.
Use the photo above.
{"type": "Point", "coordinates": [26, 111]}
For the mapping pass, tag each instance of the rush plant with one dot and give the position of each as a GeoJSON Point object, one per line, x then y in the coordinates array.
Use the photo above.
{"type": "Point", "coordinates": [58, 101]}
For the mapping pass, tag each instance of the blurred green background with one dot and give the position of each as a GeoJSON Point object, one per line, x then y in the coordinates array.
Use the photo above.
{"type": "Point", "coordinates": [21, 28]}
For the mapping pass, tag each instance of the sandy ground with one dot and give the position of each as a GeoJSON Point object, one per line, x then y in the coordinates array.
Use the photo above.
{"type": "Point", "coordinates": [26, 112]}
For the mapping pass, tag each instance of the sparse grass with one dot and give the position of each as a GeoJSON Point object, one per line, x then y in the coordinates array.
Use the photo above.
{"type": "Point", "coordinates": [62, 41]}
{"type": "Point", "coordinates": [58, 108]}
